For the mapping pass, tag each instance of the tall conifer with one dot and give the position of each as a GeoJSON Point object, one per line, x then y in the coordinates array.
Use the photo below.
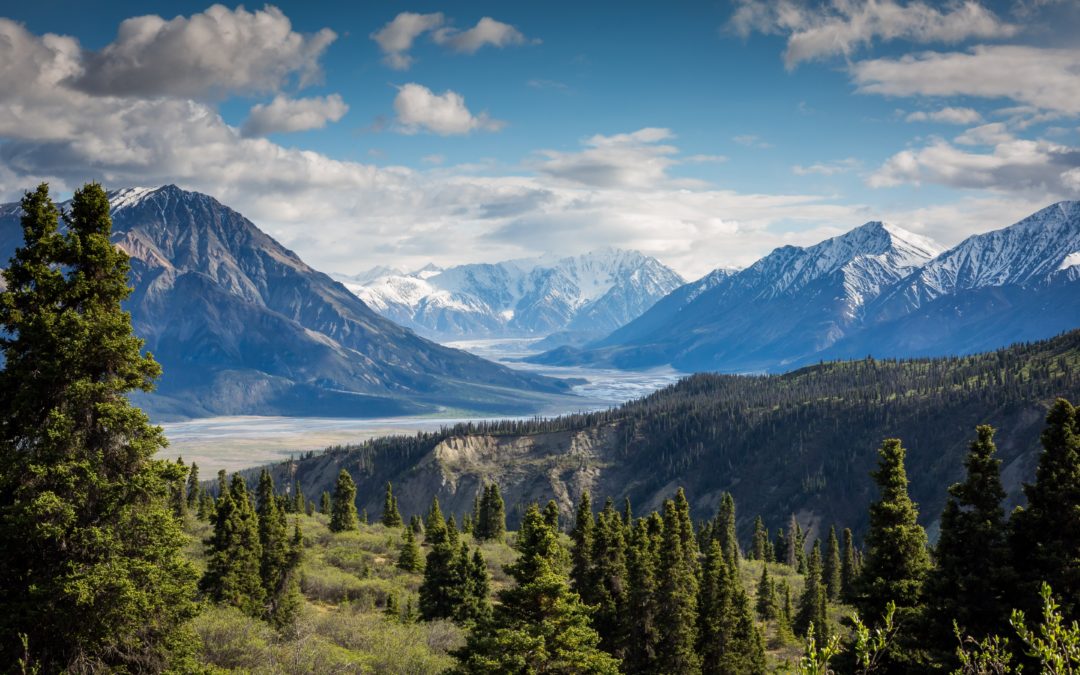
{"type": "Point", "coordinates": [343, 507]}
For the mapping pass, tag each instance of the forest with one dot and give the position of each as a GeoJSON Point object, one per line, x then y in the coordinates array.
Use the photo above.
{"type": "Point", "coordinates": [114, 561]}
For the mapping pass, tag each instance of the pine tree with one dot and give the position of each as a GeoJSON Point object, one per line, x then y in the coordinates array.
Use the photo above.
{"type": "Point", "coordinates": [392, 610]}
{"type": "Point", "coordinates": [234, 553]}
{"type": "Point", "coordinates": [551, 515]}
{"type": "Point", "coordinates": [540, 625]}
{"type": "Point", "coordinates": [848, 570]}
{"type": "Point", "coordinates": [792, 544]}
{"type": "Point", "coordinates": [194, 491]}
{"type": "Point", "coordinates": [969, 582]}
{"type": "Point", "coordinates": [725, 528]}
{"type": "Point", "coordinates": [641, 619]}
{"type": "Point", "coordinates": [492, 522]}
{"type": "Point", "coordinates": [409, 558]}
{"type": "Point", "coordinates": [608, 580]}
{"type": "Point", "coordinates": [728, 640]}
{"type": "Point", "coordinates": [440, 589]}
{"type": "Point", "coordinates": [767, 607]}
{"type": "Point", "coordinates": [677, 591]}
{"type": "Point", "coordinates": [688, 540]}
{"type": "Point", "coordinates": [581, 569]}
{"type": "Point", "coordinates": [91, 559]}
{"type": "Point", "coordinates": [206, 507]}
{"type": "Point", "coordinates": [434, 524]}
{"type": "Point", "coordinates": [279, 558]}
{"type": "Point", "coordinates": [324, 503]}
{"type": "Point", "coordinates": [1046, 533]}
{"type": "Point", "coordinates": [761, 540]}
{"type": "Point", "coordinates": [813, 608]}
{"type": "Point", "coordinates": [831, 572]}
{"type": "Point", "coordinates": [896, 560]}
{"type": "Point", "coordinates": [179, 491]}
{"type": "Point", "coordinates": [390, 515]}
{"type": "Point", "coordinates": [298, 499]}
{"type": "Point", "coordinates": [343, 508]}
{"type": "Point", "coordinates": [474, 584]}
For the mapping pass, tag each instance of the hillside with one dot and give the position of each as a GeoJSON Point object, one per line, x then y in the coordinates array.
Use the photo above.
{"type": "Point", "coordinates": [802, 442]}
{"type": "Point", "coordinates": [242, 326]}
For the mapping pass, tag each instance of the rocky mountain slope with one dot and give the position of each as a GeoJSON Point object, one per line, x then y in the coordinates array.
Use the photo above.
{"type": "Point", "coordinates": [803, 442]}
{"type": "Point", "coordinates": [875, 290]}
{"type": "Point", "coordinates": [241, 325]}
{"type": "Point", "coordinates": [590, 294]}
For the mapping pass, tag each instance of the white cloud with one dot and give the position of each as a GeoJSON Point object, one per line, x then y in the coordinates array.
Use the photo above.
{"type": "Point", "coordinates": [396, 38]}
{"type": "Point", "coordinates": [827, 168]}
{"type": "Point", "coordinates": [993, 133]}
{"type": "Point", "coordinates": [420, 109]}
{"type": "Point", "coordinates": [210, 54]}
{"type": "Point", "coordinates": [621, 160]}
{"type": "Point", "coordinates": [946, 116]}
{"type": "Point", "coordinates": [839, 27]}
{"type": "Point", "coordinates": [487, 31]}
{"type": "Point", "coordinates": [751, 141]}
{"type": "Point", "coordinates": [287, 114]}
{"type": "Point", "coordinates": [1041, 77]}
{"type": "Point", "coordinates": [1012, 165]}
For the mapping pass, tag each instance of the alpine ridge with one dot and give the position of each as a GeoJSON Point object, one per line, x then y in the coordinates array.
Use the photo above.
{"type": "Point", "coordinates": [241, 325]}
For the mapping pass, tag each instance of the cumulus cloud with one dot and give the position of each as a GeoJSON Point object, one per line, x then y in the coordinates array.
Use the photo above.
{"type": "Point", "coordinates": [1045, 78]}
{"type": "Point", "coordinates": [838, 27]}
{"type": "Point", "coordinates": [420, 109]}
{"type": "Point", "coordinates": [487, 31]}
{"type": "Point", "coordinates": [826, 168]}
{"type": "Point", "coordinates": [946, 116]}
{"type": "Point", "coordinates": [1011, 165]}
{"type": "Point", "coordinates": [396, 38]}
{"type": "Point", "coordinates": [210, 54]}
{"type": "Point", "coordinates": [622, 160]}
{"type": "Point", "coordinates": [993, 133]}
{"type": "Point", "coordinates": [287, 114]}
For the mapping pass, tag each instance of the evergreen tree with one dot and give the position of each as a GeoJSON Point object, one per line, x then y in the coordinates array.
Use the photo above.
{"type": "Point", "coordinates": [179, 491]}
{"type": "Point", "coordinates": [1046, 532]}
{"type": "Point", "coordinates": [206, 507]}
{"type": "Point", "coordinates": [970, 581]}
{"type": "Point", "coordinates": [813, 608]}
{"type": "Point", "coordinates": [767, 606]}
{"type": "Point", "coordinates": [434, 524]}
{"type": "Point", "coordinates": [677, 591]}
{"type": "Point", "coordinates": [474, 585]}
{"type": "Point", "coordinates": [609, 581]}
{"type": "Point", "coordinates": [831, 573]}
{"type": "Point", "coordinates": [390, 515]}
{"type": "Point", "coordinates": [551, 515]}
{"type": "Point", "coordinates": [234, 553]}
{"type": "Point", "coordinates": [581, 570]}
{"type": "Point", "coordinates": [492, 522]}
{"type": "Point", "coordinates": [343, 507]}
{"type": "Point", "coordinates": [416, 525]}
{"type": "Point", "coordinates": [363, 517]}
{"type": "Point", "coordinates": [691, 550]}
{"type": "Point", "coordinates": [729, 642]}
{"type": "Point", "coordinates": [298, 499]}
{"type": "Point", "coordinates": [280, 556]}
{"type": "Point", "coordinates": [392, 610]}
{"type": "Point", "coordinates": [848, 569]}
{"type": "Point", "coordinates": [725, 528]}
{"type": "Point", "coordinates": [540, 625]}
{"type": "Point", "coordinates": [761, 540]}
{"type": "Point", "coordinates": [324, 503]}
{"type": "Point", "coordinates": [309, 510]}
{"type": "Point", "coordinates": [641, 621]}
{"type": "Point", "coordinates": [409, 558]}
{"type": "Point", "coordinates": [91, 560]}
{"type": "Point", "coordinates": [194, 491]}
{"type": "Point", "coordinates": [896, 561]}
{"type": "Point", "coordinates": [440, 590]}
{"type": "Point", "coordinates": [792, 544]}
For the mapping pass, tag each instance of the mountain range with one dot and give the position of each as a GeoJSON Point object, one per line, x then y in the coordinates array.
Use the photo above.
{"type": "Point", "coordinates": [877, 289]}
{"type": "Point", "coordinates": [577, 297]}
{"type": "Point", "coordinates": [241, 325]}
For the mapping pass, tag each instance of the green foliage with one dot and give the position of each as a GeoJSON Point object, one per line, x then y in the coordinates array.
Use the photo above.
{"type": "Point", "coordinates": [831, 570]}
{"type": "Point", "coordinates": [762, 547]}
{"type": "Point", "coordinates": [815, 660]}
{"type": "Point", "coordinates": [343, 516]}
{"type": "Point", "coordinates": [409, 557]}
{"type": "Point", "coordinates": [767, 606]}
{"type": "Point", "coordinates": [390, 517]}
{"type": "Point", "coordinates": [813, 605]}
{"type": "Point", "coordinates": [608, 581]}
{"type": "Point", "coordinates": [677, 591]}
{"type": "Point", "coordinates": [539, 625]}
{"type": "Point", "coordinates": [849, 571]}
{"type": "Point", "coordinates": [642, 616]}
{"type": "Point", "coordinates": [871, 646]}
{"type": "Point", "coordinates": [728, 640]}
{"type": "Point", "coordinates": [324, 503]}
{"type": "Point", "coordinates": [1046, 533]}
{"type": "Point", "coordinates": [1054, 643]}
{"type": "Point", "coordinates": [551, 515]}
{"type": "Point", "coordinates": [234, 553]}
{"type": "Point", "coordinates": [581, 571]}
{"type": "Point", "coordinates": [491, 523]}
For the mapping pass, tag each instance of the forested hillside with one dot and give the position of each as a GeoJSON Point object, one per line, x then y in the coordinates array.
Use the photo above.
{"type": "Point", "coordinates": [802, 442]}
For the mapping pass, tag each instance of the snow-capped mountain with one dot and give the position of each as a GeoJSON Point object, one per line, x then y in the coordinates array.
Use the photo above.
{"type": "Point", "coordinates": [241, 325]}
{"type": "Point", "coordinates": [592, 294]}
{"type": "Point", "coordinates": [876, 290]}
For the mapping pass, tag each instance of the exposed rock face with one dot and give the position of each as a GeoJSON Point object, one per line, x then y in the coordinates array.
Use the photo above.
{"type": "Point", "coordinates": [241, 325]}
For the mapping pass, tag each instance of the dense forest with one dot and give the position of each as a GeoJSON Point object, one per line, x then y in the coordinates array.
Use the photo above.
{"type": "Point", "coordinates": [114, 561]}
{"type": "Point", "coordinates": [795, 443]}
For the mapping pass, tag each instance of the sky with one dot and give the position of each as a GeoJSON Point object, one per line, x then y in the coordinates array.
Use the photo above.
{"type": "Point", "coordinates": [703, 133]}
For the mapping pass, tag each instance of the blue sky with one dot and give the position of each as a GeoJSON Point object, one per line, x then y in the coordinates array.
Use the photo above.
{"type": "Point", "coordinates": [702, 133]}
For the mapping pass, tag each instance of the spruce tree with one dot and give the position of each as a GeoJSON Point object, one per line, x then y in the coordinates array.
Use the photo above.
{"type": "Point", "coordinates": [1046, 532]}
{"type": "Point", "coordinates": [728, 640]}
{"type": "Point", "coordinates": [324, 503]}
{"type": "Point", "coordinates": [540, 625]}
{"type": "Point", "coordinates": [492, 522]}
{"type": "Point", "coordinates": [761, 540]}
{"type": "Point", "coordinates": [831, 572]}
{"type": "Point", "coordinates": [970, 581]}
{"type": "Point", "coordinates": [471, 602]}
{"type": "Point", "coordinates": [91, 560]}
{"type": "Point", "coordinates": [409, 557]}
{"type": "Point", "coordinates": [298, 499]}
{"type": "Point", "coordinates": [641, 626]}
{"type": "Point", "coordinates": [434, 524]}
{"type": "Point", "coordinates": [691, 550]}
{"type": "Point", "coordinates": [677, 599]}
{"type": "Point", "coordinates": [848, 570]}
{"type": "Point", "coordinates": [551, 515]}
{"type": "Point", "coordinates": [581, 570]}
{"type": "Point", "coordinates": [343, 508]}
{"type": "Point", "coordinates": [767, 607]}
{"type": "Point", "coordinates": [194, 491]}
{"type": "Point", "coordinates": [234, 553]}
{"type": "Point", "coordinates": [813, 608]}
{"type": "Point", "coordinates": [280, 556]}
{"type": "Point", "coordinates": [609, 580]}
{"type": "Point", "coordinates": [725, 528]}
{"type": "Point", "coordinates": [441, 588]}
{"type": "Point", "coordinates": [390, 515]}
{"type": "Point", "coordinates": [792, 545]}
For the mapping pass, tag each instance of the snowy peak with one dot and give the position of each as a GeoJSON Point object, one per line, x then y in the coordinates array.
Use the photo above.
{"type": "Point", "coordinates": [594, 292]}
